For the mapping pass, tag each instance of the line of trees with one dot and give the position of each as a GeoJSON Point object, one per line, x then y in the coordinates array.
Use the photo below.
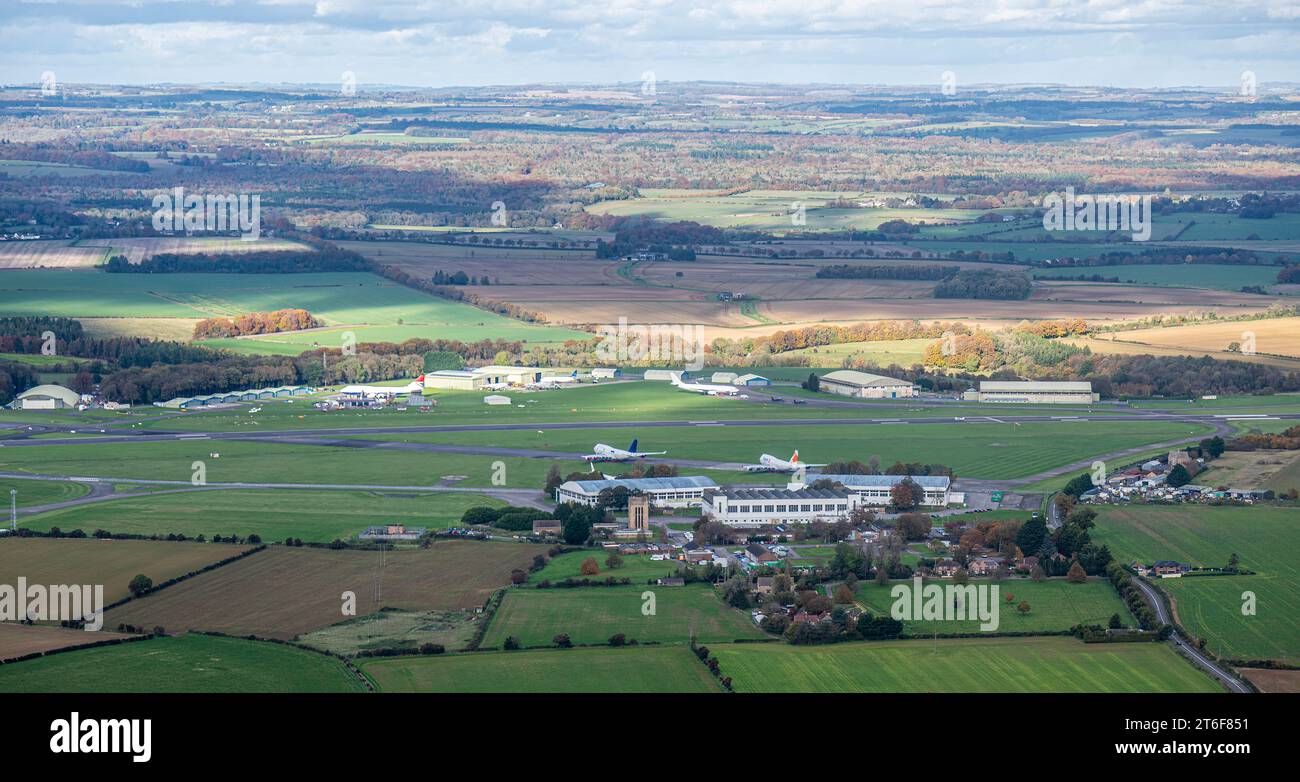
{"type": "Point", "coordinates": [984, 284]}
{"type": "Point", "coordinates": [844, 271]}
{"type": "Point", "coordinates": [255, 323]}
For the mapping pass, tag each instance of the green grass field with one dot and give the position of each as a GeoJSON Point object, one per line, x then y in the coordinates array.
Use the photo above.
{"type": "Point", "coordinates": [1045, 664]}
{"type": "Point", "coordinates": [1214, 276]}
{"type": "Point", "coordinates": [590, 615]}
{"type": "Point", "coordinates": [39, 492]}
{"type": "Point", "coordinates": [637, 568]}
{"type": "Point", "coordinates": [974, 450]}
{"type": "Point", "coordinates": [1054, 605]}
{"type": "Point", "coordinates": [1265, 540]}
{"type": "Point", "coordinates": [370, 307]}
{"type": "Point", "coordinates": [314, 516]}
{"type": "Point", "coordinates": [640, 669]}
{"type": "Point", "coordinates": [190, 663]}
{"type": "Point", "coordinates": [904, 352]}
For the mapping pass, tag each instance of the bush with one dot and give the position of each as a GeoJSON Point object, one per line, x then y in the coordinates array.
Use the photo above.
{"type": "Point", "coordinates": [589, 567]}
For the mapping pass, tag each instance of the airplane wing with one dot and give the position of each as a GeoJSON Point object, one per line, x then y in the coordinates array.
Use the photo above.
{"type": "Point", "coordinates": [643, 454]}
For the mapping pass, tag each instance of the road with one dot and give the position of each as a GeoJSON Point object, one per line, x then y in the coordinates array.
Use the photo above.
{"type": "Point", "coordinates": [1197, 657]}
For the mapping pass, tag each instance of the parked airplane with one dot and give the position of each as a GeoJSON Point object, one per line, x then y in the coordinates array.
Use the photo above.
{"type": "Point", "coordinates": [608, 453]}
{"type": "Point", "coordinates": [704, 388]}
{"type": "Point", "coordinates": [769, 463]}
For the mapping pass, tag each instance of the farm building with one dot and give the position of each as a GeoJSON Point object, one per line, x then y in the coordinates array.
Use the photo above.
{"type": "Point", "coordinates": [606, 373]}
{"type": "Point", "coordinates": [723, 377]}
{"type": "Point", "coordinates": [753, 381]}
{"type": "Point", "coordinates": [279, 392]}
{"type": "Point", "coordinates": [864, 385]}
{"type": "Point", "coordinates": [664, 492]}
{"type": "Point", "coordinates": [47, 397]}
{"type": "Point", "coordinates": [392, 532]}
{"type": "Point", "coordinates": [454, 379]}
{"type": "Point", "coordinates": [1035, 392]}
{"type": "Point", "coordinates": [764, 507]}
{"type": "Point", "coordinates": [874, 489]}
{"type": "Point", "coordinates": [496, 399]}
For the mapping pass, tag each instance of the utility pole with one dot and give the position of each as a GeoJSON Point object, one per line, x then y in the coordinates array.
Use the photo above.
{"type": "Point", "coordinates": [13, 509]}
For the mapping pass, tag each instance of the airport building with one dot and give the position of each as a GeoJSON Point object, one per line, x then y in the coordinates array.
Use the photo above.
{"type": "Point", "coordinates": [873, 490]}
{"type": "Point", "coordinates": [493, 376]}
{"type": "Point", "coordinates": [1034, 392]}
{"type": "Point", "coordinates": [251, 395]}
{"type": "Point", "coordinates": [46, 397]}
{"type": "Point", "coordinates": [678, 492]}
{"type": "Point", "coordinates": [864, 385]}
{"type": "Point", "coordinates": [766, 507]}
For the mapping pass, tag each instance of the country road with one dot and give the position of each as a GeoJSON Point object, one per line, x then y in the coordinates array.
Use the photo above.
{"type": "Point", "coordinates": [1197, 657]}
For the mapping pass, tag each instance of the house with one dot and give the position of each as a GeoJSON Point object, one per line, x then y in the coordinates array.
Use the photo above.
{"type": "Point", "coordinates": [984, 566]}
{"type": "Point", "coordinates": [764, 585]}
{"type": "Point", "coordinates": [1166, 568]}
{"type": "Point", "coordinates": [946, 568]}
{"type": "Point", "coordinates": [759, 553]}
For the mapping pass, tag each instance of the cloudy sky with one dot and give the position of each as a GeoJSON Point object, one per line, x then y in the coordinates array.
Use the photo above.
{"type": "Point", "coordinates": [1142, 43]}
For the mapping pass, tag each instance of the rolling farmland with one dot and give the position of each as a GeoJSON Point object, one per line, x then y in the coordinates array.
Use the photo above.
{"type": "Point", "coordinates": [1047, 664]}
{"type": "Point", "coordinates": [284, 592]}
{"type": "Point", "coordinates": [590, 615]}
{"type": "Point", "coordinates": [192, 663]}
{"type": "Point", "coordinates": [633, 669]}
{"type": "Point", "coordinates": [1210, 606]}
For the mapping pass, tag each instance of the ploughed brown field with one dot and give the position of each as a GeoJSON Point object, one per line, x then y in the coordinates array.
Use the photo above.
{"type": "Point", "coordinates": [1268, 680]}
{"type": "Point", "coordinates": [17, 640]}
{"type": "Point", "coordinates": [112, 563]}
{"type": "Point", "coordinates": [283, 592]}
{"type": "Point", "coordinates": [575, 288]}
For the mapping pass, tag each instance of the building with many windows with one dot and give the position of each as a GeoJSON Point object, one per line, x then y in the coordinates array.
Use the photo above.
{"type": "Point", "coordinates": [679, 492]}
{"type": "Point", "coordinates": [1034, 392]}
{"type": "Point", "coordinates": [765, 507]}
{"type": "Point", "coordinates": [873, 490]}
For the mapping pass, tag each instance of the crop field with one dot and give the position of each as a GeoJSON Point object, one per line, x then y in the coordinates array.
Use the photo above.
{"type": "Point", "coordinates": [1044, 664]}
{"type": "Point", "coordinates": [1269, 680]}
{"type": "Point", "coordinates": [191, 663]}
{"type": "Point", "coordinates": [112, 563]}
{"type": "Point", "coordinates": [1053, 605]}
{"type": "Point", "coordinates": [32, 493]}
{"type": "Point", "coordinates": [313, 516]}
{"type": "Point", "coordinates": [372, 308]}
{"type": "Point", "coordinates": [590, 615]}
{"type": "Point", "coordinates": [973, 450]}
{"type": "Point", "coordinates": [637, 568]}
{"type": "Point", "coordinates": [1286, 478]}
{"type": "Point", "coordinates": [1263, 537]}
{"type": "Point", "coordinates": [1217, 276]}
{"type": "Point", "coordinates": [284, 592]}
{"type": "Point", "coordinates": [17, 640]}
{"type": "Point", "coordinates": [639, 669]}
{"type": "Point", "coordinates": [1109, 345]}
{"type": "Point", "coordinates": [1273, 336]}
{"type": "Point", "coordinates": [882, 353]}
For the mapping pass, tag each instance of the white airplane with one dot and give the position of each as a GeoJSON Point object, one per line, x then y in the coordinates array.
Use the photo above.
{"type": "Point", "coordinates": [703, 388]}
{"type": "Point", "coordinates": [608, 453]}
{"type": "Point", "coordinates": [769, 463]}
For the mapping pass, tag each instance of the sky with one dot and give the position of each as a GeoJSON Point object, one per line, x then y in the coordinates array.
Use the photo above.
{"type": "Point", "coordinates": [442, 43]}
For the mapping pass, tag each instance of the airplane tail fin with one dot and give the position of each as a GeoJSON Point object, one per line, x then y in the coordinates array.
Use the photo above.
{"type": "Point", "coordinates": [574, 374]}
{"type": "Point", "coordinates": [795, 459]}
{"type": "Point", "coordinates": [632, 448]}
